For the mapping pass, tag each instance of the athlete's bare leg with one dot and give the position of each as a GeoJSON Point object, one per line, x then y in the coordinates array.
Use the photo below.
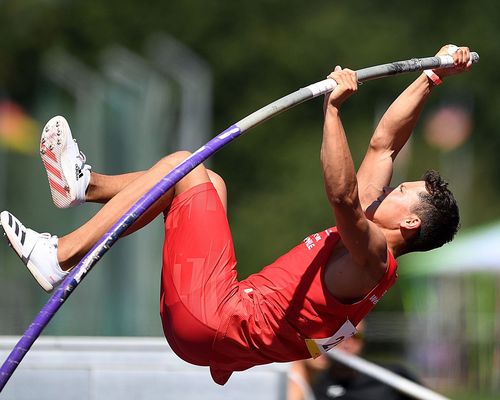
{"type": "Point", "coordinates": [121, 192]}
{"type": "Point", "coordinates": [103, 188]}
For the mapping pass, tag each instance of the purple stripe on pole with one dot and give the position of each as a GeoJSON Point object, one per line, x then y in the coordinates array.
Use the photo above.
{"type": "Point", "coordinates": [103, 245]}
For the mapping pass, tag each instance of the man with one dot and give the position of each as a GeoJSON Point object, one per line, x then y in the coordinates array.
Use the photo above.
{"type": "Point", "coordinates": [310, 298]}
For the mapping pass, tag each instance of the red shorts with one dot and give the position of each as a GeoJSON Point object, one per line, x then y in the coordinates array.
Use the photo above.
{"type": "Point", "coordinates": [198, 275]}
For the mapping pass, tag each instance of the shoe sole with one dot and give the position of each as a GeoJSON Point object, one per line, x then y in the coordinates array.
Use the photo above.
{"type": "Point", "coordinates": [11, 237]}
{"type": "Point", "coordinates": [56, 136]}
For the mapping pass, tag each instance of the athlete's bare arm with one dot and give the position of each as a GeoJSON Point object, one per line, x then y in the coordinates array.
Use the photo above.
{"type": "Point", "coordinates": [395, 128]}
{"type": "Point", "coordinates": [362, 239]}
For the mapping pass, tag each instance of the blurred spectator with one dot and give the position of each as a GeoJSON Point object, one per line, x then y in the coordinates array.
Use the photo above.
{"type": "Point", "coordinates": [302, 376]}
{"type": "Point", "coordinates": [326, 379]}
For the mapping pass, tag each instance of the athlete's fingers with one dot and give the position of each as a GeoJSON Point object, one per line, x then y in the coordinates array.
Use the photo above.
{"type": "Point", "coordinates": [467, 57]}
{"type": "Point", "coordinates": [353, 81]}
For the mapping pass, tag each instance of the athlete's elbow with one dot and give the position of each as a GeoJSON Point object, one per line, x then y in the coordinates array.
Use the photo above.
{"type": "Point", "coordinates": [346, 198]}
{"type": "Point", "coordinates": [379, 143]}
{"type": "Point", "coordinates": [342, 203]}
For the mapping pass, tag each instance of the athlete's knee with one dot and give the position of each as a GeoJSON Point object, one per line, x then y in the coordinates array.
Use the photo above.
{"type": "Point", "coordinates": [176, 158]}
{"type": "Point", "coordinates": [219, 185]}
{"type": "Point", "coordinates": [196, 176]}
{"type": "Point", "coordinates": [169, 162]}
{"type": "Point", "coordinates": [217, 180]}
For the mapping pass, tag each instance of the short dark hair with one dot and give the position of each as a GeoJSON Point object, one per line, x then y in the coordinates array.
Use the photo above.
{"type": "Point", "coordinates": [438, 212]}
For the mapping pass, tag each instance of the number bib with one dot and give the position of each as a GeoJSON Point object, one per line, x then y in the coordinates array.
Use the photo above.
{"type": "Point", "coordinates": [320, 346]}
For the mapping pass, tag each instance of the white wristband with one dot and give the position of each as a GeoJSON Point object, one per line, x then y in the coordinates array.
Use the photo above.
{"type": "Point", "coordinates": [435, 79]}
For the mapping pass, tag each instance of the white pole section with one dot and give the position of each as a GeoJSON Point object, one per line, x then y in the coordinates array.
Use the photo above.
{"type": "Point", "coordinates": [384, 375]}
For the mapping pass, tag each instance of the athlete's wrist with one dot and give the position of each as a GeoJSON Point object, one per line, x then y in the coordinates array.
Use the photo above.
{"type": "Point", "coordinates": [433, 78]}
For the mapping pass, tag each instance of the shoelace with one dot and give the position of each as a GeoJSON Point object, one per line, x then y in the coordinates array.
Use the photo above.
{"type": "Point", "coordinates": [82, 159]}
{"type": "Point", "coordinates": [48, 236]}
{"type": "Point", "coordinates": [83, 166]}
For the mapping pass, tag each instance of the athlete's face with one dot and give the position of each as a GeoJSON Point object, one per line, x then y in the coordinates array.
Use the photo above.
{"type": "Point", "coordinates": [394, 204]}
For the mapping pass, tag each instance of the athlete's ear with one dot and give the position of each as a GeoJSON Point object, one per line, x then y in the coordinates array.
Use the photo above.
{"type": "Point", "coordinates": [410, 225]}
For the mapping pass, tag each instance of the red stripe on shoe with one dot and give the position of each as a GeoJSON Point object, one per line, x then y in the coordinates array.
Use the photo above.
{"type": "Point", "coordinates": [50, 168]}
{"type": "Point", "coordinates": [50, 154]}
{"type": "Point", "coordinates": [54, 185]}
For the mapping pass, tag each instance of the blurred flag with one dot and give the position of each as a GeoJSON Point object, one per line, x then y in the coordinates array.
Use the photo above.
{"type": "Point", "coordinates": [18, 131]}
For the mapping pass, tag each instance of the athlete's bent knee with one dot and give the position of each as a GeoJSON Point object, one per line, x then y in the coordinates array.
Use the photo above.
{"type": "Point", "coordinates": [219, 185]}
{"type": "Point", "coordinates": [176, 158]}
{"type": "Point", "coordinates": [198, 175]}
{"type": "Point", "coordinates": [169, 162]}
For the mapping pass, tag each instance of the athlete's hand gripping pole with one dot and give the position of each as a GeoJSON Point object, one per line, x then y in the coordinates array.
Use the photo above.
{"type": "Point", "coordinates": [102, 246]}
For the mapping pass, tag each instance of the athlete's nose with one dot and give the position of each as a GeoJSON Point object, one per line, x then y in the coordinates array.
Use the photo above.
{"type": "Point", "coordinates": [386, 190]}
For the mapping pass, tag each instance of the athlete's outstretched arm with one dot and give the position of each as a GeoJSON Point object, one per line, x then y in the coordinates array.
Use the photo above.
{"type": "Point", "coordinates": [364, 241]}
{"type": "Point", "coordinates": [396, 126]}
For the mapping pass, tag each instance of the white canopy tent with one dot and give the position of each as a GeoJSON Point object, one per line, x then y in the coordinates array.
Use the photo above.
{"type": "Point", "coordinates": [473, 250]}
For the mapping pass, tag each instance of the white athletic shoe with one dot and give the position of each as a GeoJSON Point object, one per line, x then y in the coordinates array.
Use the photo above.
{"type": "Point", "coordinates": [38, 251]}
{"type": "Point", "coordinates": [68, 174]}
